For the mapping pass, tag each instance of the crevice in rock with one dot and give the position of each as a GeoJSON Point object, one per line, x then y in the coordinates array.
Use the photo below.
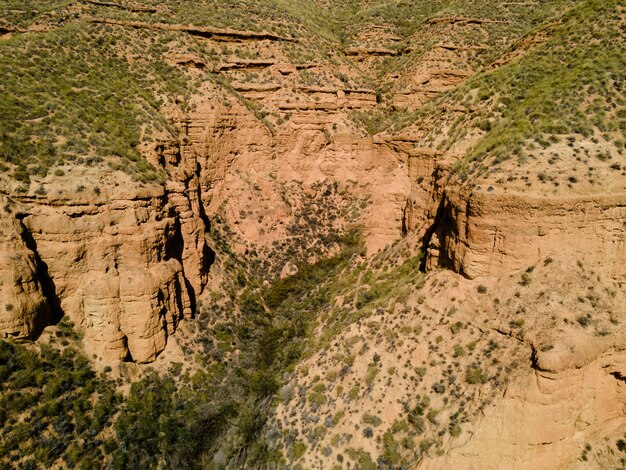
{"type": "Point", "coordinates": [179, 306]}
{"type": "Point", "coordinates": [174, 250]}
{"type": "Point", "coordinates": [129, 356]}
{"type": "Point", "coordinates": [217, 34]}
{"type": "Point", "coordinates": [133, 8]}
{"type": "Point", "coordinates": [465, 20]}
{"type": "Point", "coordinates": [405, 229]}
{"type": "Point", "coordinates": [175, 243]}
{"type": "Point", "coordinates": [430, 231]}
{"type": "Point", "coordinates": [534, 359]}
{"type": "Point", "coordinates": [208, 255]}
{"type": "Point", "coordinates": [541, 444]}
{"type": "Point", "coordinates": [48, 288]}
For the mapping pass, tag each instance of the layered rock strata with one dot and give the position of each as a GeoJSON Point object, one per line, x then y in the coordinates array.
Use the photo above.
{"type": "Point", "coordinates": [122, 260]}
{"type": "Point", "coordinates": [488, 233]}
{"type": "Point", "coordinates": [25, 308]}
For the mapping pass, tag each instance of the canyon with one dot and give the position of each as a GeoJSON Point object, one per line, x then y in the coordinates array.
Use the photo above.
{"type": "Point", "coordinates": [286, 142]}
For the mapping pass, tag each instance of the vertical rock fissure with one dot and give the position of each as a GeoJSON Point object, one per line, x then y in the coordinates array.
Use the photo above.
{"type": "Point", "coordinates": [430, 231]}
{"type": "Point", "coordinates": [129, 356]}
{"type": "Point", "coordinates": [404, 228]}
{"type": "Point", "coordinates": [174, 250]}
{"type": "Point", "coordinates": [208, 255]}
{"type": "Point", "coordinates": [184, 237]}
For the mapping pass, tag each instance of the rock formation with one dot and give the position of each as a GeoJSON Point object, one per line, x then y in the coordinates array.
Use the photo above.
{"type": "Point", "coordinates": [290, 139]}
{"type": "Point", "coordinates": [112, 262]}
{"type": "Point", "coordinates": [483, 233]}
{"type": "Point", "coordinates": [25, 310]}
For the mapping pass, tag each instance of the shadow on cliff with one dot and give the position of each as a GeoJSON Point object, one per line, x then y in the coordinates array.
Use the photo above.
{"type": "Point", "coordinates": [208, 255]}
{"type": "Point", "coordinates": [175, 248]}
{"type": "Point", "coordinates": [53, 314]}
{"type": "Point", "coordinates": [428, 235]}
{"type": "Point", "coordinates": [442, 227]}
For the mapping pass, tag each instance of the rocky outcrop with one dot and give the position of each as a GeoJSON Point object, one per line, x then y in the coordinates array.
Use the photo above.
{"type": "Point", "coordinates": [428, 174]}
{"type": "Point", "coordinates": [127, 264]}
{"type": "Point", "coordinates": [245, 64]}
{"type": "Point", "coordinates": [488, 232]}
{"type": "Point", "coordinates": [24, 310]}
{"type": "Point", "coordinates": [184, 194]}
{"type": "Point", "coordinates": [122, 260]}
{"type": "Point", "coordinates": [430, 77]}
{"type": "Point", "coordinates": [216, 34]}
{"type": "Point", "coordinates": [361, 53]}
{"type": "Point", "coordinates": [245, 168]}
{"type": "Point", "coordinates": [113, 263]}
{"type": "Point", "coordinates": [465, 20]}
{"type": "Point", "coordinates": [546, 418]}
{"type": "Point", "coordinates": [133, 8]}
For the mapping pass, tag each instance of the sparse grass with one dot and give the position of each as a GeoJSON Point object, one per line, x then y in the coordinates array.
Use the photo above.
{"type": "Point", "coordinates": [246, 358]}
{"type": "Point", "coordinates": [370, 375]}
{"type": "Point", "coordinates": [362, 458]}
{"type": "Point", "coordinates": [298, 449]}
{"type": "Point", "coordinates": [546, 91]}
{"type": "Point", "coordinates": [94, 104]}
{"type": "Point", "coordinates": [459, 351]}
{"type": "Point", "coordinates": [372, 420]}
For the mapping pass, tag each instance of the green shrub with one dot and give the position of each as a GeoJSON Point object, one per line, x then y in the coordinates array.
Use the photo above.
{"type": "Point", "coordinates": [372, 420]}
{"type": "Point", "coordinates": [475, 375]}
{"type": "Point", "coordinates": [298, 449]}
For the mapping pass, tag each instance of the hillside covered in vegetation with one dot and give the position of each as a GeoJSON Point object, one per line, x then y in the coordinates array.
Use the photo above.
{"type": "Point", "coordinates": [312, 234]}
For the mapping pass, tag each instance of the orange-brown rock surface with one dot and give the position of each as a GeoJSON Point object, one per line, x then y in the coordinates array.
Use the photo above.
{"type": "Point", "coordinates": [112, 256]}
{"type": "Point", "coordinates": [483, 232]}
{"type": "Point", "coordinates": [25, 309]}
{"type": "Point", "coordinates": [127, 260]}
{"type": "Point", "coordinates": [522, 259]}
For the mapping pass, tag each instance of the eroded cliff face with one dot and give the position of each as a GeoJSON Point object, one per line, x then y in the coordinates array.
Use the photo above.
{"type": "Point", "coordinates": [567, 403]}
{"type": "Point", "coordinates": [25, 309]}
{"type": "Point", "coordinates": [110, 261]}
{"type": "Point", "coordinates": [565, 407]}
{"type": "Point", "coordinates": [522, 270]}
{"type": "Point", "coordinates": [123, 260]}
{"type": "Point", "coordinates": [256, 175]}
{"type": "Point", "coordinates": [548, 419]}
{"type": "Point", "coordinates": [126, 261]}
{"type": "Point", "coordinates": [482, 233]}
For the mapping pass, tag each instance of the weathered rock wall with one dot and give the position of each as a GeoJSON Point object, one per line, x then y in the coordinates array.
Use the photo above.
{"type": "Point", "coordinates": [123, 260]}
{"type": "Point", "coordinates": [484, 233]}
{"type": "Point", "coordinates": [247, 168]}
{"type": "Point", "coordinates": [25, 308]}
{"type": "Point", "coordinates": [546, 418]}
{"type": "Point", "coordinates": [113, 269]}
